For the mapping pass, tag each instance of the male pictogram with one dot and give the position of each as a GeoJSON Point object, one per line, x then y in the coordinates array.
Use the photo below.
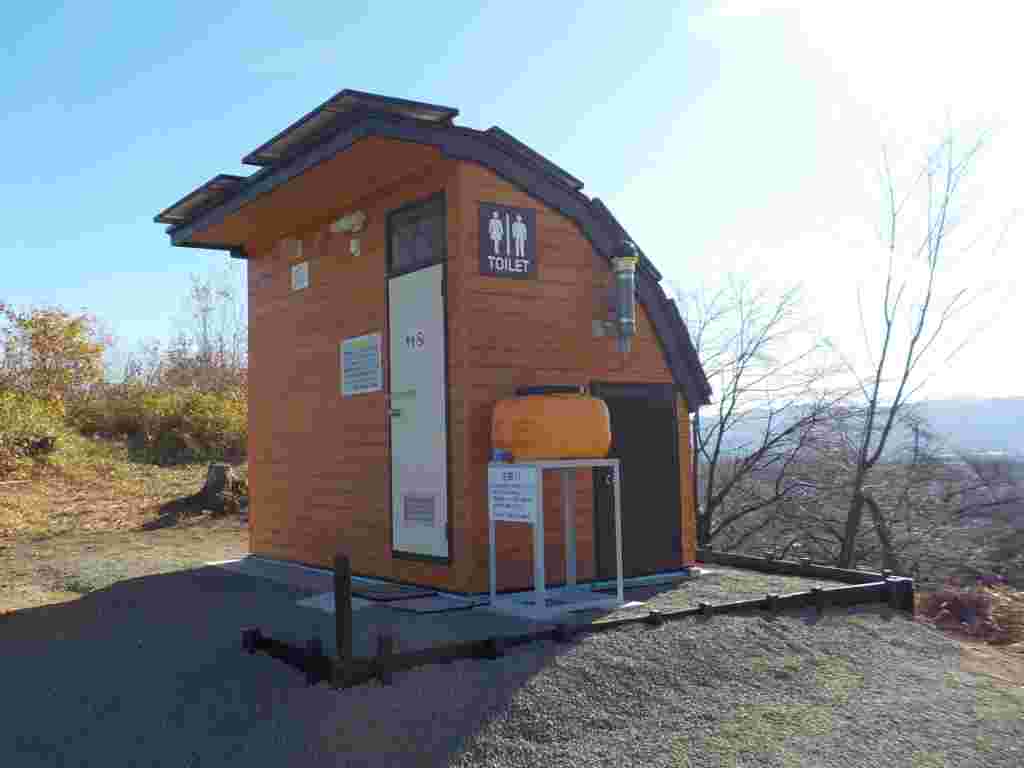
{"type": "Point", "coordinates": [519, 235]}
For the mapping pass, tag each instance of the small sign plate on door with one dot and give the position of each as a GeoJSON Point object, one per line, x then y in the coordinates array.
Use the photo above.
{"type": "Point", "coordinates": [419, 509]}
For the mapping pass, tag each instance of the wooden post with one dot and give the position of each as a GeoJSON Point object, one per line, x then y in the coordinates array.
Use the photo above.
{"type": "Point", "coordinates": [819, 600]}
{"type": "Point", "coordinates": [773, 605]}
{"type": "Point", "coordinates": [343, 611]}
{"type": "Point", "coordinates": [314, 660]}
{"type": "Point", "coordinates": [252, 640]}
{"type": "Point", "coordinates": [705, 610]}
{"type": "Point", "coordinates": [493, 648]}
{"type": "Point", "coordinates": [889, 594]}
{"type": "Point", "coordinates": [385, 650]}
{"type": "Point", "coordinates": [895, 593]}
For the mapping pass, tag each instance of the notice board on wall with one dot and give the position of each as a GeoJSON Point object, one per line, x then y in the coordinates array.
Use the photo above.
{"type": "Point", "coordinates": [512, 493]}
{"type": "Point", "coordinates": [361, 369]}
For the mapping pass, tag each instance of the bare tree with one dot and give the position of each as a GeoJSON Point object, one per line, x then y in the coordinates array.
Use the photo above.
{"type": "Point", "coordinates": [145, 366]}
{"type": "Point", "coordinates": [993, 489]}
{"type": "Point", "coordinates": [767, 378]}
{"type": "Point", "coordinates": [210, 349]}
{"type": "Point", "coordinates": [915, 315]}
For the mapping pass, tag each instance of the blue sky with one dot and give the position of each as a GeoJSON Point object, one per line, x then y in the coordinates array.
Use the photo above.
{"type": "Point", "coordinates": [728, 137]}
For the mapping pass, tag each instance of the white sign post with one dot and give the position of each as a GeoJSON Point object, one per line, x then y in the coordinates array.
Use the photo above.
{"type": "Point", "coordinates": [515, 493]}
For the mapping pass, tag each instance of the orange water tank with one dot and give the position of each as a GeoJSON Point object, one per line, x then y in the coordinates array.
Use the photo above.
{"type": "Point", "coordinates": [560, 426]}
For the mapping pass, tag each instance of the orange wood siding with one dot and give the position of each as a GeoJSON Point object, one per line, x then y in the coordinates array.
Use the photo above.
{"type": "Point", "coordinates": [689, 507]}
{"type": "Point", "coordinates": [319, 465]}
{"type": "Point", "coordinates": [529, 332]}
{"type": "Point", "coordinates": [318, 461]}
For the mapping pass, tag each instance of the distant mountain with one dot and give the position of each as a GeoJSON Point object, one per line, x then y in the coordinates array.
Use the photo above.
{"type": "Point", "coordinates": [978, 425]}
{"type": "Point", "coordinates": [971, 425]}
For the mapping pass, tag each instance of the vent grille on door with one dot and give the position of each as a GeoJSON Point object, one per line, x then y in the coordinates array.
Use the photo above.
{"type": "Point", "coordinates": [419, 510]}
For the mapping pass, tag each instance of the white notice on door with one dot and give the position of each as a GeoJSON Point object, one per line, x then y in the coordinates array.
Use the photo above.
{"type": "Point", "coordinates": [360, 365]}
{"type": "Point", "coordinates": [512, 493]}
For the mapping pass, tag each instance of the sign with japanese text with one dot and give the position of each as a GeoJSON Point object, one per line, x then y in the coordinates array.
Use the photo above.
{"type": "Point", "coordinates": [508, 241]}
{"type": "Point", "coordinates": [361, 369]}
{"type": "Point", "coordinates": [512, 493]}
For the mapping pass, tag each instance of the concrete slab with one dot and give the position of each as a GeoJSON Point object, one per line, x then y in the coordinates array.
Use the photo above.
{"type": "Point", "coordinates": [386, 593]}
{"type": "Point", "coordinates": [557, 604]}
{"type": "Point", "coordinates": [291, 574]}
{"type": "Point", "coordinates": [435, 604]}
{"type": "Point", "coordinates": [318, 580]}
{"type": "Point", "coordinates": [433, 624]}
{"type": "Point", "coordinates": [325, 602]}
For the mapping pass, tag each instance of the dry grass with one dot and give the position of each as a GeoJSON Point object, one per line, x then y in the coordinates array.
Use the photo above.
{"type": "Point", "coordinates": [1007, 611]}
{"type": "Point", "coordinates": [90, 516]}
{"type": "Point", "coordinates": [1003, 661]}
{"type": "Point", "coordinates": [91, 485]}
{"type": "Point", "coordinates": [43, 571]}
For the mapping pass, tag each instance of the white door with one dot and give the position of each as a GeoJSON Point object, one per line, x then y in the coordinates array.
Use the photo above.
{"type": "Point", "coordinates": [419, 427]}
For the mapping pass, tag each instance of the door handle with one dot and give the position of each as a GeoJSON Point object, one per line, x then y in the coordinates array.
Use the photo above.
{"type": "Point", "coordinates": [393, 412]}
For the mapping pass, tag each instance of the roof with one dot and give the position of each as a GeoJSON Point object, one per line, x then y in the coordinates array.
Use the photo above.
{"type": "Point", "coordinates": [341, 109]}
{"type": "Point", "coordinates": [204, 196]}
{"type": "Point", "coordinates": [349, 116]}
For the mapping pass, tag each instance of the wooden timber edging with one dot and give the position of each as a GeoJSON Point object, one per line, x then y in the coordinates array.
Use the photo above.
{"type": "Point", "coordinates": [894, 593]}
{"type": "Point", "coordinates": [802, 567]}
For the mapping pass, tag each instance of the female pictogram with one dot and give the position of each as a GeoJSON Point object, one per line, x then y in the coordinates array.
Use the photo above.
{"type": "Point", "coordinates": [497, 231]}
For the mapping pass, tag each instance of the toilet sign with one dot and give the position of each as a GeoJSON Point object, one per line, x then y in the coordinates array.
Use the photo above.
{"type": "Point", "coordinates": [508, 241]}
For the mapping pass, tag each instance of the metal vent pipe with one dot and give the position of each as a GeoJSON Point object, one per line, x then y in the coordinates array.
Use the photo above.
{"type": "Point", "coordinates": [624, 265]}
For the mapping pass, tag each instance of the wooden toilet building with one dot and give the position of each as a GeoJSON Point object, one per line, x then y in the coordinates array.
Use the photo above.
{"type": "Point", "coordinates": [405, 273]}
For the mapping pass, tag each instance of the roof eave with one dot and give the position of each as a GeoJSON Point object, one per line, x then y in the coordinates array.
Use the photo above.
{"type": "Point", "coordinates": [596, 222]}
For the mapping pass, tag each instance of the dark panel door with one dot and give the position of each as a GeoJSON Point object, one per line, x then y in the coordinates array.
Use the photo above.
{"type": "Point", "coordinates": [645, 438]}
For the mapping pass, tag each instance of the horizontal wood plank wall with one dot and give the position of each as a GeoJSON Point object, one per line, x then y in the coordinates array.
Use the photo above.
{"type": "Point", "coordinates": [319, 464]}
{"type": "Point", "coordinates": [513, 333]}
{"type": "Point", "coordinates": [323, 193]}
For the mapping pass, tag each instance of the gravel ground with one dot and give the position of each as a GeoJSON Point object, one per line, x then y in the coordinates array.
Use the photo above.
{"type": "Point", "coordinates": [716, 584]}
{"type": "Point", "coordinates": [848, 691]}
{"type": "Point", "coordinates": [149, 672]}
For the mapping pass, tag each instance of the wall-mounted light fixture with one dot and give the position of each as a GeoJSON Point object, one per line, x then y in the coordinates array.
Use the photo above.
{"type": "Point", "coordinates": [352, 222]}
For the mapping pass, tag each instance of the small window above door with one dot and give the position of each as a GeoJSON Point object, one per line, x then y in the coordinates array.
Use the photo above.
{"type": "Point", "coordinates": [417, 236]}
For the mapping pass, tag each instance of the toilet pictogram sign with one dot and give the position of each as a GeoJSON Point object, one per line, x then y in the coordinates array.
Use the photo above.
{"type": "Point", "coordinates": [508, 241]}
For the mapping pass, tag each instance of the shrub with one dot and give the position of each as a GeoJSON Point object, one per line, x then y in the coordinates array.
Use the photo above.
{"type": "Point", "coordinates": [962, 610]}
{"type": "Point", "coordinates": [169, 424]}
{"type": "Point", "coordinates": [26, 423]}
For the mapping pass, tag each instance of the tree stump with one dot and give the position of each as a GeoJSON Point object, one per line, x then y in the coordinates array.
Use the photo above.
{"type": "Point", "coordinates": [218, 493]}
